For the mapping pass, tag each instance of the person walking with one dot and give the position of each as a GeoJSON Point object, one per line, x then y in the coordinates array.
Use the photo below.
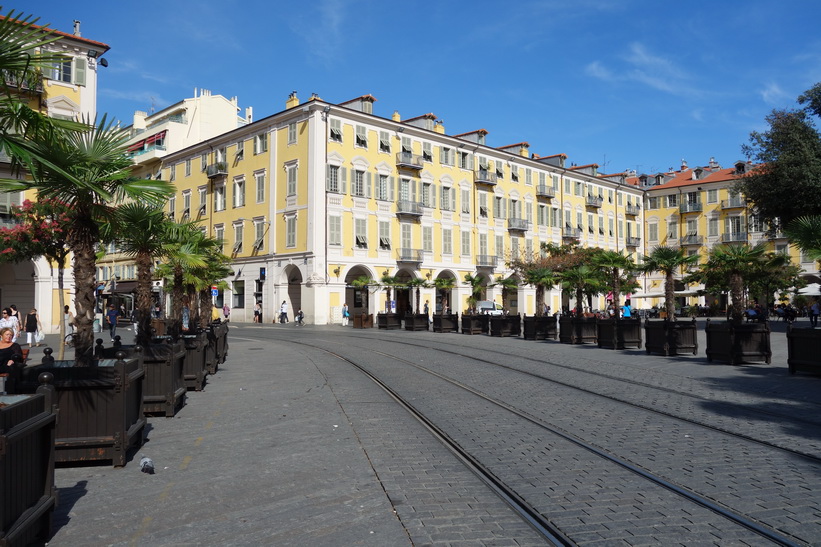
{"type": "Point", "coordinates": [68, 320]}
{"type": "Point", "coordinates": [32, 326]}
{"type": "Point", "coordinates": [345, 314]}
{"type": "Point", "coordinates": [257, 313]}
{"type": "Point", "coordinates": [135, 318]}
{"type": "Point", "coordinates": [283, 312]}
{"type": "Point", "coordinates": [815, 311]}
{"type": "Point", "coordinates": [226, 311]}
{"type": "Point", "coordinates": [111, 320]}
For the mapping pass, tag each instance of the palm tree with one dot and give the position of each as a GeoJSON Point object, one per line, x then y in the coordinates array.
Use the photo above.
{"type": "Point", "coordinates": [182, 252]}
{"type": "Point", "coordinates": [417, 284]}
{"type": "Point", "coordinates": [805, 233]}
{"type": "Point", "coordinates": [477, 285]}
{"type": "Point", "coordinates": [362, 283]}
{"type": "Point", "coordinates": [542, 278]}
{"type": "Point", "coordinates": [388, 282]}
{"type": "Point", "coordinates": [88, 170]}
{"type": "Point", "coordinates": [733, 263]}
{"type": "Point", "coordinates": [614, 263]}
{"type": "Point", "coordinates": [508, 284]}
{"type": "Point", "coordinates": [668, 260]}
{"type": "Point", "coordinates": [444, 285]}
{"type": "Point", "coordinates": [580, 279]}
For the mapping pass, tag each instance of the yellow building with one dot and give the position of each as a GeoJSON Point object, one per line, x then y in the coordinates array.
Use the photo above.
{"type": "Point", "coordinates": [66, 90]}
{"type": "Point", "coordinates": [313, 197]}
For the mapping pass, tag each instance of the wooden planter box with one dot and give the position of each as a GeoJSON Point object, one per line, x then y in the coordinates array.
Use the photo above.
{"type": "Point", "coordinates": [220, 333]}
{"type": "Point", "coordinates": [446, 323]}
{"type": "Point", "coordinates": [166, 327]}
{"type": "Point", "coordinates": [475, 324]}
{"type": "Point", "coordinates": [416, 321]}
{"type": "Point", "coordinates": [362, 321]}
{"type": "Point", "coordinates": [738, 343]}
{"type": "Point", "coordinates": [101, 414]}
{"type": "Point", "coordinates": [27, 492]}
{"type": "Point", "coordinates": [505, 325]}
{"type": "Point", "coordinates": [577, 330]}
{"type": "Point", "coordinates": [670, 337]}
{"type": "Point", "coordinates": [210, 351]}
{"type": "Point", "coordinates": [194, 367]}
{"type": "Point", "coordinates": [388, 321]}
{"type": "Point", "coordinates": [539, 327]}
{"type": "Point", "coordinates": [804, 350]}
{"type": "Point", "coordinates": [164, 389]}
{"type": "Point", "coordinates": [619, 333]}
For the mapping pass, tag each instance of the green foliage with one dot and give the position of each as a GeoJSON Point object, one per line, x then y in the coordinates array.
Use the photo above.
{"type": "Point", "coordinates": [668, 261]}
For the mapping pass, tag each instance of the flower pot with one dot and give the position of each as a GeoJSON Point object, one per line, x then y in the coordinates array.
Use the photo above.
{"type": "Point", "coordinates": [736, 343]}
{"type": "Point", "coordinates": [619, 333]}
{"type": "Point", "coordinates": [804, 350]}
{"type": "Point", "coordinates": [362, 321]}
{"type": "Point", "coordinates": [670, 337]}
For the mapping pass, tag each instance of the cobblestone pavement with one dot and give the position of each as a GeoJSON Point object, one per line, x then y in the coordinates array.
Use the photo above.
{"type": "Point", "coordinates": [288, 445]}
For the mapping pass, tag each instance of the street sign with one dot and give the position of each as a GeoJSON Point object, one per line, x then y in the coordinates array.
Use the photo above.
{"type": "Point", "coordinates": [214, 291]}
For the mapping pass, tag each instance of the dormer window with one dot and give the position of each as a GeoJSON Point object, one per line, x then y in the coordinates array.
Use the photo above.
{"type": "Point", "coordinates": [697, 173]}
{"type": "Point", "coordinates": [740, 168]}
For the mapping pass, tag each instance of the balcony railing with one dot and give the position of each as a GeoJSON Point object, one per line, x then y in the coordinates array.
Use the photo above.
{"type": "Point", "coordinates": [694, 207]}
{"type": "Point", "coordinates": [733, 203]}
{"type": "Point", "coordinates": [692, 240]}
{"type": "Point", "coordinates": [409, 255]}
{"type": "Point", "coordinates": [404, 207]}
{"type": "Point", "coordinates": [734, 237]}
{"type": "Point", "coordinates": [572, 233]}
{"type": "Point", "coordinates": [545, 191]}
{"type": "Point", "coordinates": [486, 261]}
{"type": "Point", "coordinates": [593, 201]}
{"type": "Point", "coordinates": [632, 210]}
{"type": "Point", "coordinates": [485, 176]}
{"type": "Point", "coordinates": [408, 160]}
{"type": "Point", "coordinates": [219, 169]}
{"type": "Point", "coordinates": [517, 224]}
{"type": "Point", "coordinates": [632, 241]}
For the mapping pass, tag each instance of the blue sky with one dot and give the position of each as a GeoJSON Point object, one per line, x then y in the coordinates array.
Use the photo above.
{"type": "Point", "coordinates": [627, 84]}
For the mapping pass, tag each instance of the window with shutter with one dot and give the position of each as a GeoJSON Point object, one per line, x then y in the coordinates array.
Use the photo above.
{"type": "Point", "coordinates": [80, 69]}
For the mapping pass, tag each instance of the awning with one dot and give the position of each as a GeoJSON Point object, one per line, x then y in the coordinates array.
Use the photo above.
{"type": "Point", "coordinates": [123, 287]}
{"type": "Point", "coordinates": [136, 146]}
{"type": "Point", "coordinates": [813, 289]}
{"type": "Point", "coordinates": [155, 137]}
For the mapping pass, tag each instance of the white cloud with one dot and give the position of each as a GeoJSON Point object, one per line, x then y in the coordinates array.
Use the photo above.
{"type": "Point", "coordinates": [773, 94]}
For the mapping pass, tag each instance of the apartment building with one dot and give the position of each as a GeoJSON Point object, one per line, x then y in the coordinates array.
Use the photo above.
{"type": "Point", "coordinates": [315, 196]}
{"type": "Point", "coordinates": [66, 90]}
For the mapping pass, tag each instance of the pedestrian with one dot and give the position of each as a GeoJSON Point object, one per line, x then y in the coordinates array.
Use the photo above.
{"type": "Point", "coordinates": [215, 314]}
{"type": "Point", "coordinates": [283, 312]}
{"type": "Point", "coordinates": [32, 326]}
{"type": "Point", "coordinates": [299, 318]}
{"type": "Point", "coordinates": [111, 320]}
{"type": "Point", "coordinates": [8, 320]}
{"type": "Point", "coordinates": [68, 320]}
{"type": "Point", "coordinates": [186, 315]}
{"type": "Point", "coordinates": [626, 310]}
{"type": "Point", "coordinates": [345, 314]}
{"type": "Point", "coordinates": [257, 312]}
{"type": "Point", "coordinates": [226, 311]}
{"type": "Point", "coordinates": [157, 312]}
{"type": "Point", "coordinates": [815, 311]}
{"type": "Point", "coordinates": [135, 318]}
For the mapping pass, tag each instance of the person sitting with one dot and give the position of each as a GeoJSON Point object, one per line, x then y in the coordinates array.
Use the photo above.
{"type": "Point", "coordinates": [300, 318]}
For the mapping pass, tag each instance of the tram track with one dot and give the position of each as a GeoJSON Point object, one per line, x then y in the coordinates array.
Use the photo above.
{"type": "Point", "coordinates": [528, 512]}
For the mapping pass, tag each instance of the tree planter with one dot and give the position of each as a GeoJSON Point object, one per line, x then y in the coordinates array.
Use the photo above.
{"type": "Point", "coordinates": [101, 414]}
{"type": "Point", "coordinates": [27, 492]}
{"type": "Point", "coordinates": [210, 350]}
{"type": "Point", "coordinates": [220, 331]}
{"type": "Point", "coordinates": [475, 324]}
{"type": "Point", "coordinates": [505, 325]}
{"type": "Point", "coordinates": [448, 322]}
{"type": "Point", "coordinates": [738, 343]}
{"type": "Point", "coordinates": [670, 337]}
{"type": "Point", "coordinates": [416, 321]}
{"type": "Point", "coordinates": [577, 330]}
{"type": "Point", "coordinates": [194, 369]}
{"type": "Point", "coordinates": [804, 350]}
{"type": "Point", "coordinates": [164, 389]}
{"type": "Point", "coordinates": [362, 321]}
{"type": "Point", "coordinates": [619, 333]}
{"type": "Point", "coordinates": [165, 327]}
{"type": "Point", "coordinates": [539, 327]}
{"type": "Point", "coordinates": [389, 321]}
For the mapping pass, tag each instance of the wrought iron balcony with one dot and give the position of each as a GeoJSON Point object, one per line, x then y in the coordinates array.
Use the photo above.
{"type": "Point", "coordinates": [734, 237]}
{"type": "Point", "coordinates": [408, 160]}
{"type": "Point", "coordinates": [572, 233]}
{"type": "Point", "coordinates": [411, 208]}
{"type": "Point", "coordinates": [409, 255]}
{"type": "Point", "coordinates": [486, 261]}
{"type": "Point", "coordinates": [632, 210]}
{"type": "Point", "coordinates": [733, 203]}
{"type": "Point", "coordinates": [485, 176]}
{"type": "Point", "coordinates": [632, 241]}
{"type": "Point", "coordinates": [518, 224]}
{"type": "Point", "coordinates": [694, 207]}
{"type": "Point", "coordinates": [219, 169]}
{"type": "Point", "coordinates": [593, 201]}
{"type": "Point", "coordinates": [692, 240]}
{"type": "Point", "coordinates": [545, 191]}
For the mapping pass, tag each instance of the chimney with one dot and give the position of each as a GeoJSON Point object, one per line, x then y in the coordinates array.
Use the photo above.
{"type": "Point", "coordinates": [439, 127]}
{"type": "Point", "coordinates": [683, 164]}
{"type": "Point", "coordinates": [139, 119]}
{"type": "Point", "coordinates": [396, 117]}
{"type": "Point", "coordinates": [249, 114]}
{"type": "Point", "coordinates": [292, 100]}
{"type": "Point", "coordinates": [77, 28]}
{"type": "Point", "coordinates": [524, 150]}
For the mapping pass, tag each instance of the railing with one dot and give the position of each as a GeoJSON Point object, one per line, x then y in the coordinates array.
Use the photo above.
{"type": "Point", "coordinates": [632, 210]}
{"type": "Point", "coordinates": [691, 207]}
{"type": "Point", "coordinates": [409, 255]}
{"type": "Point", "coordinates": [404, 207]}
{"type": "Point", "coordinates": [486, 261]}
{"type": "Point", "coordinates": [692, 240]}
{"type": "Point", "coordinates": [733, 237]}
{"type": "Point", "coordinates": [219, 169]}
{"type": "Point", "coordinates": [517, 224]}
{"type": "Point", "coordinates": [572, 233]}
{"type": "Point", "coordinates": [545, 191]}
{"type": "Point", "coordinates": [632, 241]}
{"type": "Point", "coordinates": [409, 160]}
{"type": "Point", "coordinates": [485, 176]}
{"type": "Point", "coordinates": [593, 201]}
{"type": "Point", "coordinates": [733, 203]}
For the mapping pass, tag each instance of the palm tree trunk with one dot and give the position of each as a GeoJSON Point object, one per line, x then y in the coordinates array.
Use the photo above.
{"type": "Point", "coordinates": [737, 296]}
{"type": "Point", "coordinates": [85, 267]}
{"type": "Point", "coordinates": [61, 303]}
{"type": "Point", "coordinates": [539, 300]}
{"type": "Point", "coordinates": [670, 296]}
{"type": "Point", "coordinates": [143, 263]}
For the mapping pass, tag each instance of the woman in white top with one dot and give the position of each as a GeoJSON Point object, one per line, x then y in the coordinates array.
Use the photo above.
{"type": "Point", "coordinates": [68, 319]}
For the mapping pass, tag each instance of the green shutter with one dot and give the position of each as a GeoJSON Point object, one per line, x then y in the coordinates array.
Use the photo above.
{"type": "Point", "coordinates": [78, 72]}
{"type": "Point", "coordinates": [344, 188]}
